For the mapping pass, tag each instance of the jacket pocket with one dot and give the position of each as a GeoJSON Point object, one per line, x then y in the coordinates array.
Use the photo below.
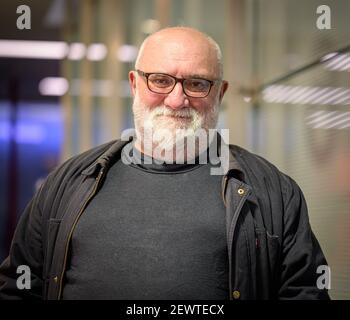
{"type": "Point", "coordinates": [268, 255]}
{"type": "Point", "coordinates": [52, 231]}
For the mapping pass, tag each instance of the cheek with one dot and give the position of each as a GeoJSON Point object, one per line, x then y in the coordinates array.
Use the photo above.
{"type": "Point", "coordinates": [202, 105]}
{"type": "Point", "coordinates": [150, 99]}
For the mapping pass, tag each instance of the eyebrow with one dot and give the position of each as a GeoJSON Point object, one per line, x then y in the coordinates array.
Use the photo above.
{"type": "Point", "coordinates": [191, 76]}
{"type": "Point", "coordinates": [199, 76]}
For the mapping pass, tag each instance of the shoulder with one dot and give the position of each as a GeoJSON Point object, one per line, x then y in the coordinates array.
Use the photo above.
{"type": "Point", "coordinates": [281, 200]}
{"type": "Point", "coordinates": [83, 160]}
{"type": "Point", "coordinates": [263, 175]}
{"type": "Point", "coordinates": [70, 171]}
{"type": "Point", "coordinates": [65, 181]}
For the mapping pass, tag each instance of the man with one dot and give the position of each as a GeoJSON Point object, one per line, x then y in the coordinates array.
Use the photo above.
{"type": "Point", "coordinates": [134, 223]}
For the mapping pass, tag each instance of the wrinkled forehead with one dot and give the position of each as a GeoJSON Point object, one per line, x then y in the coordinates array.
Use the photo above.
{"type": "Point", "coordinates": [179, 53]}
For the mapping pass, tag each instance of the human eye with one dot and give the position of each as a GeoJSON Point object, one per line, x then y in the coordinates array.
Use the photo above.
{"type": "Point", "coordinates": [161, 80]}
{"type": "Point", "coordinates": [197, 84]}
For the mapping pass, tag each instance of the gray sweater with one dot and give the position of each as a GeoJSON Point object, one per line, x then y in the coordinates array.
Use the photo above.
{"type": "Point", "coordinates": [152, 232]}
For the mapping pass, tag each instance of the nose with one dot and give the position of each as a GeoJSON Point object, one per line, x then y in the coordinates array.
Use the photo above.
{"type": "Point", "coordinates": [176, 99]}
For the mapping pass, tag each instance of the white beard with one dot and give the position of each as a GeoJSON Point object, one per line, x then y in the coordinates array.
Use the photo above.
{"type": "Point", "coordinates": [168, 129]}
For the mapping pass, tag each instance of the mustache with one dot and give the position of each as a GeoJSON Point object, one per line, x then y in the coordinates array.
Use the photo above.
{"type": "Point", "coordinates": [186, 112]}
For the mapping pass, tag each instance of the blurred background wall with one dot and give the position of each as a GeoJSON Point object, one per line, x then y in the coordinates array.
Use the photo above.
{"type": "Point", "coordinates": [64, 89]}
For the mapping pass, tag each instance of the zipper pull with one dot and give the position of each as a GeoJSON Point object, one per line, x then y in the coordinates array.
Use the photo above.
{"type": "Point", "coordinates": [100, 174]}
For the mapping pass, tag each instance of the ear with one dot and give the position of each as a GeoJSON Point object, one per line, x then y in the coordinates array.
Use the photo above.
{"type": "Point", "coordinates": [132, 82]}
{"type": "Point", "coordinates": [223, 89]}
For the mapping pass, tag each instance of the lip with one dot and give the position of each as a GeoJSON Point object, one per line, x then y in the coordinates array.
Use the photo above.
{"type": "Point", "coordinates": [177, 117]}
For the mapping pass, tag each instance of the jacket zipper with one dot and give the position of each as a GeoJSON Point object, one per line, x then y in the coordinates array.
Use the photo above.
{"type": "Point", "coordinates": [73, 227]}
{"type": "Point", "coordinates": [235, 219]}
{"type": "Point", "coordinates": [231, 235]}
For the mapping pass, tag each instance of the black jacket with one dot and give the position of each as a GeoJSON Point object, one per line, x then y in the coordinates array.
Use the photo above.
{"type": "Point", "coordinates": [273, 253]}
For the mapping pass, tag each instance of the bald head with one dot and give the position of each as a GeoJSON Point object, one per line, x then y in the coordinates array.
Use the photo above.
{"type": "Point", "coordinates": [179, 44]}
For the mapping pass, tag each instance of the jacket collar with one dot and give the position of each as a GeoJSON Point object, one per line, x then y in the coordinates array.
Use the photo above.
{"type": "Point", "coordinates": [235, 170]}
{"type": "Point", "coordinates": [105, 159]}
{"type": "Point", "coordinates": [237, 174]}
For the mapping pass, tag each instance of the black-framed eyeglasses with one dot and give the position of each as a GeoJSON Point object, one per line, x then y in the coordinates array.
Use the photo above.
{"type": "Point", "coordinates": [163, 83]}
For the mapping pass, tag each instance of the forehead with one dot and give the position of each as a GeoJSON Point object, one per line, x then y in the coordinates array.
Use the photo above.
{"type": "Point", "coordinates": [179, 54]}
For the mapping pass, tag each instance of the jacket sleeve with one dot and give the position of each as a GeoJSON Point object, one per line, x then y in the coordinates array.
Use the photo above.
{"type": "Point", "coordinates": [301, 252]}
{"type": "Point", "coordinates": [26, 249]}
